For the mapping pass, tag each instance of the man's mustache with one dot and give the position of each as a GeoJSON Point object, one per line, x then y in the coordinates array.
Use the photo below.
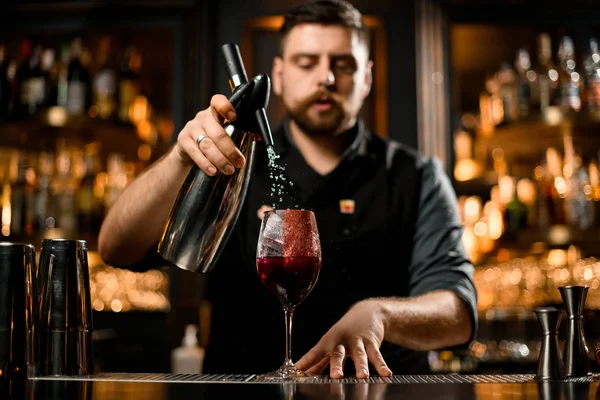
{"type": "Point", "coordinates": [321, 96]}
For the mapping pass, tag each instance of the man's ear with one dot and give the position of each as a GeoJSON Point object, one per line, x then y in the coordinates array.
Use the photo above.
{"type": "Point", "coordinates": [276, 75]}
{"type": "Point", "coordinates": [368, 78]}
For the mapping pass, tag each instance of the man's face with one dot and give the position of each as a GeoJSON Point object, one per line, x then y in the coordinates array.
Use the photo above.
{"type": "Point", "coordinates": [322, 77]}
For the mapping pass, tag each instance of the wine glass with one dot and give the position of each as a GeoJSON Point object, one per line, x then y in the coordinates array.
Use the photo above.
{"type": "Point", "coordinates": [288, 261]}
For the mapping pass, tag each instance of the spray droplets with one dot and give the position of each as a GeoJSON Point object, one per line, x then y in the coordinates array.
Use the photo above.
{"type": "Point", "coordinates": [278, 178]}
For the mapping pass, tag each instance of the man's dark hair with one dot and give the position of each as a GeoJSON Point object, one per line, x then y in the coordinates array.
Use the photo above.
{"type": "Point", "coordinates": [326, 12]}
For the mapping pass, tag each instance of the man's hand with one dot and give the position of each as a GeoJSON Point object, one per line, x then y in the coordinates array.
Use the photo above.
{"type": "Point", "coordinates": [204, 141]}
{"type": "Point", "coordinates": [357, 335]}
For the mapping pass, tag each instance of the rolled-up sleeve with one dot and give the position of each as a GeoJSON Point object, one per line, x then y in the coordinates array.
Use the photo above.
{"type": "Point", "coordinates": [439, 260]}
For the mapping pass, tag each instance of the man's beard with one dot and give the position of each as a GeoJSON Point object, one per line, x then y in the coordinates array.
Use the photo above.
{"type": "Point", "coordinates": [314, 122]}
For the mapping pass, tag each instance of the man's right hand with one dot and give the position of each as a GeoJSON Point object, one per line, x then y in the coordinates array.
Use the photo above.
{"type": "Point", "coordinates": [216, 151]}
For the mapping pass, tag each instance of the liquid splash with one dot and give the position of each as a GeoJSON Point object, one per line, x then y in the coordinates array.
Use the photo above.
{"type": "Point", "coordinates": [281, 186]}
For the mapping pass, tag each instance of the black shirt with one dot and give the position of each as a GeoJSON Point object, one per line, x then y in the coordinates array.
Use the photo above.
{"type": "Point", "coordinates": [401, 237]}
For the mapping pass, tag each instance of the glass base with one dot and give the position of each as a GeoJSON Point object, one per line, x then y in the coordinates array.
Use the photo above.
{"type": "Point", "coordinates": [287, 372]}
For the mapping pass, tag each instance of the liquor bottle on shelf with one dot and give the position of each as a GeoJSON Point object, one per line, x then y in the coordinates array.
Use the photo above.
{"type": "Point", "coordinates": [48, 66]}
{"type": "Point", "coordinates": [21, 194]}
{"type": "Point", "coordinates": [20, 90]}
{"type": "Point", "coordinates": [104, 82]}
{"type": "Point", "coordinates": [592, 76]}
{"type": "Point", "coordinates": [61, 90]}
{"type": "Point", "coordinates": [526, 82]}
{"type": "Point", "coordinates": [129, 82]}
{"type": "Point", "coordinates": [64, 192]}
{"type": "Point", "coordinates": [508, 92]}
{"type": "Point", "coordinates": [32, 84]}
{"type": "Point", "coordinates": [547, 74]}
{"type": "Point", "coordinates": [78, 77]}
{"type": "Point", "coordinates": [579, 199]}
{"type": "Point", "coordinates": [4, 86]}
{"type": "Point", "coordinates": [569, 78]}
{"type": "Point", "coordinates": [544, 199]}
{"type": "Point", "coordinates": [44, 215]}
{"type": "Point", "coordinates": [89, 211]}
{"type": "Point", "coordinates": [491, 108]}
{"type": "Point", "coordinates": [515, 214]}
{"type": "Point", "coordinates": [594, 174]}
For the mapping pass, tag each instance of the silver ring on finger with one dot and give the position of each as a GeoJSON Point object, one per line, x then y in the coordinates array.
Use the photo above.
{"type": "Point", "coordinates": [200, 139]}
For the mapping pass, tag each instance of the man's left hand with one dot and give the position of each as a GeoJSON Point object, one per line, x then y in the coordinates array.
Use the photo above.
{"type": "Point", "coordinates": [357, 335]}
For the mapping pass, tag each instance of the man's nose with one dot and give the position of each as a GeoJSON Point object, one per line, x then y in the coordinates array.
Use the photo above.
{"type": "Point", "coordinates": [326, 76]}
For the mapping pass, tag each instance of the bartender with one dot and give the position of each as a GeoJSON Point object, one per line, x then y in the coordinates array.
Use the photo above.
{"type": "Point", "coordinates": [395, 280]}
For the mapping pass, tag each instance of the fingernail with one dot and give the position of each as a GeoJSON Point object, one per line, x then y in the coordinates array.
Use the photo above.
{"type": "Point", "coordinates": [387, 371]}
{"type": "Point", "coordinates": [239, 162]}
{"type": "Point", "coordinates": [365, 372]}
{"type": "Point", "coordinates": [230, 116]}
{"type": "Point", "coordinates": [228, 169]}
{"type": "Point", "coordinates": [212, 170]}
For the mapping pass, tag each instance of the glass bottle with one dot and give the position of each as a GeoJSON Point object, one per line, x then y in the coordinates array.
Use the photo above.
{"type": "Point", "coordinates": [78, 80]}
{"type": "Point", "coordinates": [570, 81]}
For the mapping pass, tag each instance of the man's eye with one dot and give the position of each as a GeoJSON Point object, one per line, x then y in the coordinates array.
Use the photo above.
{"type": "Point", "coordinates": [345, 66]}
{"type": "Point", "coordinates": [306, 63]}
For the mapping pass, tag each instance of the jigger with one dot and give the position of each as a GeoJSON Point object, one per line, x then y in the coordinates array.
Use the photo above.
{"type": "Point", "coordinates": [576, 360]}
{"type": "Point", "coordinates": [550, 366]}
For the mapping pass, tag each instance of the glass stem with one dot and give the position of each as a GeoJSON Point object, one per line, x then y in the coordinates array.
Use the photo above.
{"type": "Point", "coordinates": [288, 337]}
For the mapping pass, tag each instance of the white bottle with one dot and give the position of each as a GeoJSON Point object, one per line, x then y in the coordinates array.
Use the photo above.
{"type": "Point", "coordinates": [188, 358]}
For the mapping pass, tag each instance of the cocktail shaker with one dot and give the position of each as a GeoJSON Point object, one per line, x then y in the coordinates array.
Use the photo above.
{"type": "Point", "coordinates": [65, 325]}
{"type": "Point", "coordinates": [18, 300]}
{"type": "Point", "coordinates": [207, 207]}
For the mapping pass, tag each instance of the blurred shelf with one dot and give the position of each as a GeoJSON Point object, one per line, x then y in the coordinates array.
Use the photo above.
{"type": "Point", "coordinates": [43, 129]}
{"type": "Point", "coordinates": [479, 186]}
{"type": "Point", "coordinates": [558, 236]}
{"type": "Point", "coordinates": [532, 242]}
{"type": "Point", "coordinates": [526, 140]}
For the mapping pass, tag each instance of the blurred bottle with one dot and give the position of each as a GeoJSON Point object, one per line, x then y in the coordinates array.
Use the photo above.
{"type": "Point", "coordinates": [32, 84]}
{"type": "Point", "coordinates": [547, 74]}
{"type": "Point", "coordinates": [49, 71]}
{"type": "Point", "coordinates": [20, 92]}
{"type": "Point", "coordinates": [189, 357]}
{"type": "Point", "coordinates": [591, 66]}
{"type": "Point", "coordinates": [44, 216]}
{"type": "Point", "coordinates": [508, 92]}
{"type": "Point", "coordinates": [89, 210]}
{"type": "Point", "coordinates": [104, 82]}
{"type": "Point", "coordinates": [62, 83]}
{"type": "Point", "coordinates": [490, 106]}
{"type": "Point", "coordinates": [129, 82]}
{"type": "Point", "coordinates": [580, 201]}
{"type": "Point", "coordinates": [526, 82]}
{"type": "Point", "coordinates": [4, 86]}
{"type": "Point", "coordinates": [515, 214]}
{"type": "Point", "coordinates": [21, 195]}
{"type": "Point", "coordinates": [569, 78]}
{"type": "Point", "coordinates": [63, 192]}
{"type": "Point", "coordinates": [78, 77]}
{"type": "Point", "coordinates": [544, 202]}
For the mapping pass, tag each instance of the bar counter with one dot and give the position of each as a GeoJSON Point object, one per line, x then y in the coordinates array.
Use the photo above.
{"type": "Point", "coordinates": [130, 386]}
